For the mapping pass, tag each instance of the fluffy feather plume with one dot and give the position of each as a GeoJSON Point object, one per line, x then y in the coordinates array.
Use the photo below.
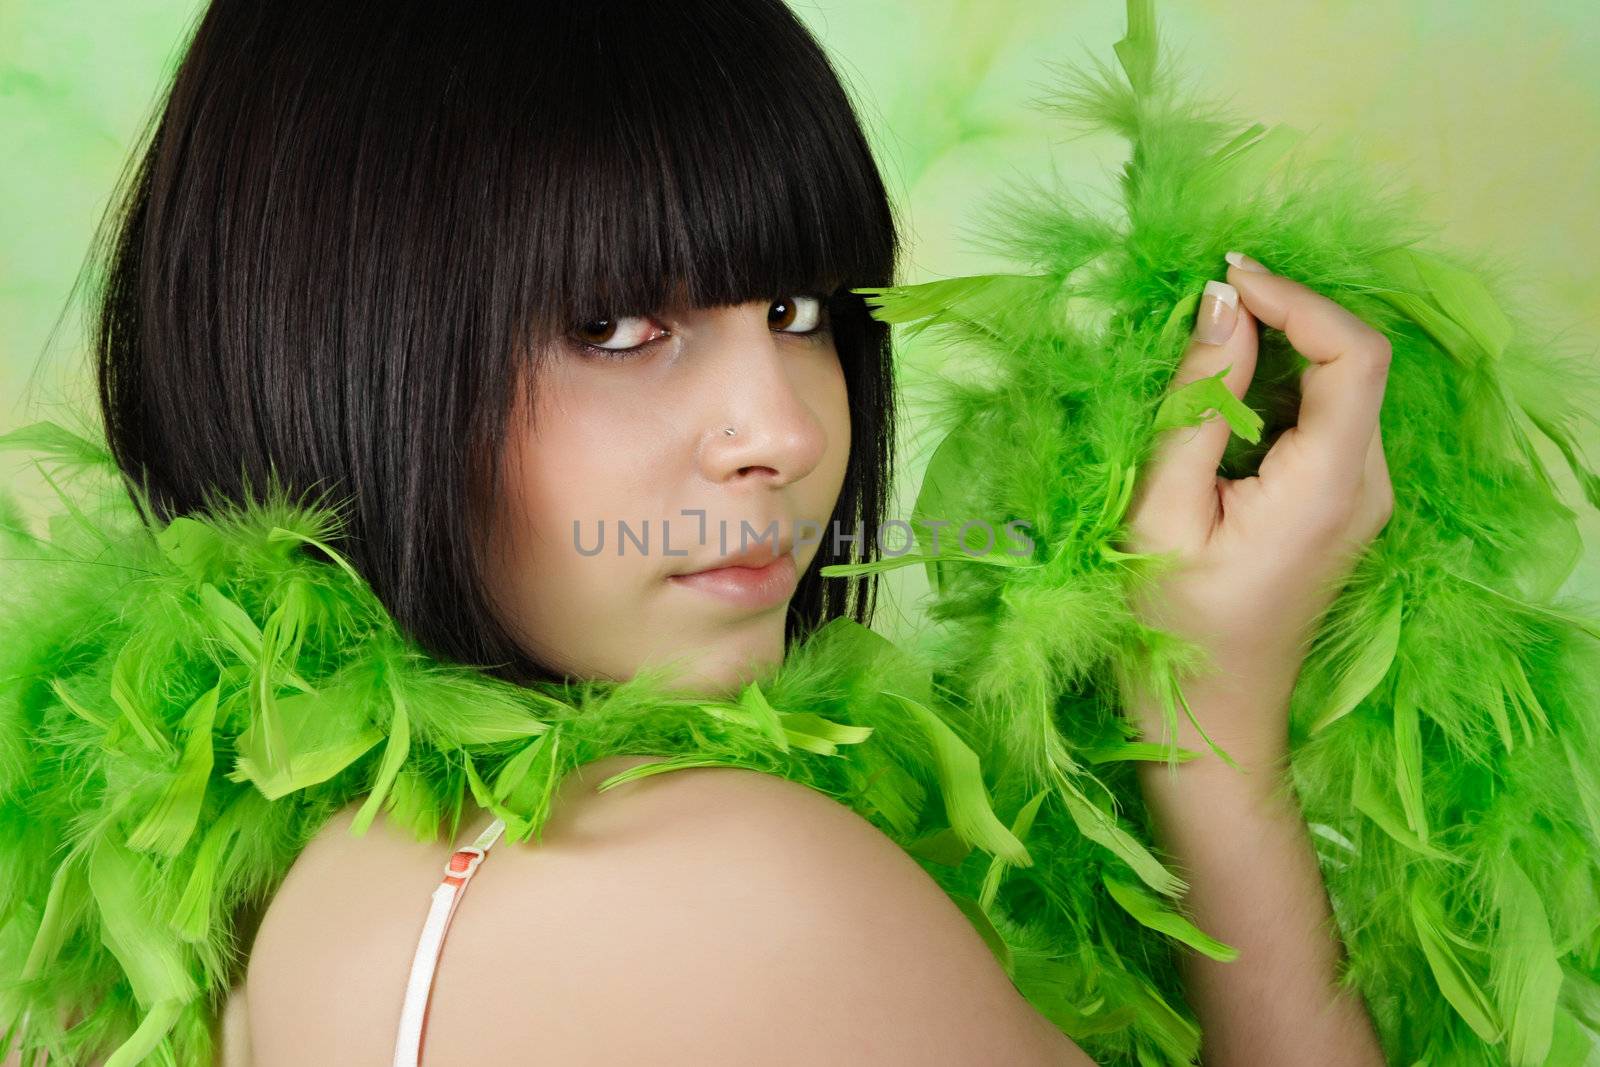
{"type": "Point", "coordinates": [182, 709]}
{"type": "Point", "coordinates": [1444, 726]}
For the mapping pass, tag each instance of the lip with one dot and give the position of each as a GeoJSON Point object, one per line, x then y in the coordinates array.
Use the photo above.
{"type": "Point", "coordinates": [745, 587]}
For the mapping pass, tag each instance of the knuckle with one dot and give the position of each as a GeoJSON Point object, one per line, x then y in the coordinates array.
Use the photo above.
{"type": "Point", "coordinates": [1153, 538]}
{"type": "Point", "coordinates": [1336, 477]}
{"type": "Point", "coordinates": [1323, 516]}
{"type": "Point", "coordinates": [1333, 516]}
{"type": "Point", "coordinates": [1370, 512]}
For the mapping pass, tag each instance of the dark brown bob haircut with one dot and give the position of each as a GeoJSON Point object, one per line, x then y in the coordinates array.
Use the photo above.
{"type": "Point", "coordinates": [353, 227]}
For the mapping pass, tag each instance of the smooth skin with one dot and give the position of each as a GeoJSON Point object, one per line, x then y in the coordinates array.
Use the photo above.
{"type": "Point", "coordinates": [718, 915]}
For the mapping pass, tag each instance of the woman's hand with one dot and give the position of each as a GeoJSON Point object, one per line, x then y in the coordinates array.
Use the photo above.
{"type": "Point", "coordinates": [1260, 559]}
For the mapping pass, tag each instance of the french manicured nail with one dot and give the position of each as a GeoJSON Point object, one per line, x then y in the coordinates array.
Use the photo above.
{"type": "Point", "coordinates": [1244, 262]}
{"type": "Point", "coordinates": [1219, 313]}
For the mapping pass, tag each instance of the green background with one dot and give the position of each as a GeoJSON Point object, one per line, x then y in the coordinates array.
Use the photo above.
{"type": "Point", "coordinates": [1492, 109]}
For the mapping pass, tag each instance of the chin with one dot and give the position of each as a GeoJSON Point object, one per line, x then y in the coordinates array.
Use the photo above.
{"type": "Point", "coordinates": [724, 666]}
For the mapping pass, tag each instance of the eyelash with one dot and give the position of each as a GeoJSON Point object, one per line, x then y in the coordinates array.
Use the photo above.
{"type": "Point", "coordinates": [824, 326]}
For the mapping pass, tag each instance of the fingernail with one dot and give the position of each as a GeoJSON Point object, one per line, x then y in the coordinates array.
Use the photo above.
{"type": "Point", "coordinates": [1244, 262]}
{"type": "Point", "coordinates": [1219, 313]}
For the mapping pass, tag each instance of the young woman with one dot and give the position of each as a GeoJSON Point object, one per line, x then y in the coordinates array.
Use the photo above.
{"type": "Point", "coordinates": [498, 276]}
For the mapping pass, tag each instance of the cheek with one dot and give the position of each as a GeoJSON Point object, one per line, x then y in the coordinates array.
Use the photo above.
{"type": "Point", "coordinates": [569, 504]}
{"type": "Point", "coordinates": [828, 396]}
{"type": "Point", "coordinates": [562, 483]}
{"type": "Point", "coordinates": [583, 463]}
{"type": "Point", "coordinates": [835, 415]}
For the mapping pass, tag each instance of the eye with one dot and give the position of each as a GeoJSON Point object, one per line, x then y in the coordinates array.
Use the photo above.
{"type": "Point", "coordinates": [799, 313]}
{"type": "Point", "coordinates": [601, 335]}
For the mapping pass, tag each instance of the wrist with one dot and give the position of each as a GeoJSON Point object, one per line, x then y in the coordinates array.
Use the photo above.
{"type": "Point", "coordinates": [1248, 718]}
{"type": "Point", "coordinates": [1257, 778]}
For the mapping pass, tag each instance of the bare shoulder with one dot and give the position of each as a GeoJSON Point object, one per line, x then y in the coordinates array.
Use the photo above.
{"type": "Point", "coordinates": [703, 915]}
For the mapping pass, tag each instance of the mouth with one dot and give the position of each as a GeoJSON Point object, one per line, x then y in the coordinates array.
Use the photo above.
{"type": "Point", "coordinates": [759, 578]}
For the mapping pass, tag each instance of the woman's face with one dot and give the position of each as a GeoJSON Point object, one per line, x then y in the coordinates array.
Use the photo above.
{"type": "Point", "coordinates": [623, 481]}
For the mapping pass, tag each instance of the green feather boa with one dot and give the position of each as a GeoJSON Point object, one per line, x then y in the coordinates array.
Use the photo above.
{"type": "Point", "coordinates": [182, 709]}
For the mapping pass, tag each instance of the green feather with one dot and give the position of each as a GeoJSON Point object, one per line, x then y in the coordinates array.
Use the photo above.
{"type": "Point", "coordinates": [1455, 981]}
{"type": "Point", "coordinates": [1523, 969]}
{"type": "Point", "coordinates": [1138, 47]}
{"type": "Point", "coordinates": [1366, 656]}
{"type": "Point", "coordinates": [1149, 911]}
{"type": "Point", "coordinates": [171, 822]}
{"type": "Point", "coordinates": [966, 798]}
{"type": "Point", "coordinates": [1196, 401]}
{"type": "Point", "coordinates": [394, 757]}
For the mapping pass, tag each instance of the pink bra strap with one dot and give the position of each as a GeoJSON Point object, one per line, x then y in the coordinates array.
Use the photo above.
{"type": "Point", "coordinates": [419, 988]}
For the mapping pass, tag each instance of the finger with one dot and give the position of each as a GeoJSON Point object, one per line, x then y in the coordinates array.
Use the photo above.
{"type": "Point", "coordinates": [1342, 391]}
{"type": "Point", "coordinates": [1368, 512]}
{"type": "Point", "coordinates": [1184, 460]}
{"type": "Point", "coordinates": [1372, 507]}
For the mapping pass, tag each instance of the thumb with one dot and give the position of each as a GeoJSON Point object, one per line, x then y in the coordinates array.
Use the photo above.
{"type": "Point", "coordinates": [1182, 472]}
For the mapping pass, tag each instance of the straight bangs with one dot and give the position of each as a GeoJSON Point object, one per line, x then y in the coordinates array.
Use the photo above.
{"type": "Point", "coordinates": [698, 163]}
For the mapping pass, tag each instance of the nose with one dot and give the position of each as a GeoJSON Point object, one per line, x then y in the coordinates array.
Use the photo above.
{"type": "Point", "coordinates": [766, 392]}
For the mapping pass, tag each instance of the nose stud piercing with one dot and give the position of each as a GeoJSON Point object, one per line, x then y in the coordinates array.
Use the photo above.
{"type": "Point", "coordinates": [728, 431]}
